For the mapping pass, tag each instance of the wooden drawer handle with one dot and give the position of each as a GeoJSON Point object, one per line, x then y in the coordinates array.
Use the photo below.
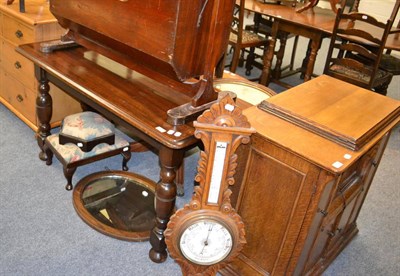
{"type": "Point", "coordinates": [20, 98]}
{"type": "Point", "coordinates": [19, 34]}
{"type": "Point", "coordinates": [17, 65]}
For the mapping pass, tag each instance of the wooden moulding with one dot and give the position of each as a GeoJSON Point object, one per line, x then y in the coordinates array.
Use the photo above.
{"type": "Point", "coordinates": [349, 117]}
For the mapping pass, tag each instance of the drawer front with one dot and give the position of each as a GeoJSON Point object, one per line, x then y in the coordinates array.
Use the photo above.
{"type": "Point", "coordinates": [18, 96]}
{"type": "Point", "coordinates": [17, 32]}
{"type": "Point", "coordinates": [18, 66]}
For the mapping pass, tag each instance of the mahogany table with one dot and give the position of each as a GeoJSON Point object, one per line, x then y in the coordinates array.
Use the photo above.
{"type": "Point", "coordinates": [129, 99]}
{"type": "Point", "coordinates": [315, 24]}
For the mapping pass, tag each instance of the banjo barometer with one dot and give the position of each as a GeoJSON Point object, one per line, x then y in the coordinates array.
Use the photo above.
{"type": "Point", "coordinates": [207, 233]}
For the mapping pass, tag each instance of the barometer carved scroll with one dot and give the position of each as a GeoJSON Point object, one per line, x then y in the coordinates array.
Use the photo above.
{"type": "Point", "coordinates": [207, 233]}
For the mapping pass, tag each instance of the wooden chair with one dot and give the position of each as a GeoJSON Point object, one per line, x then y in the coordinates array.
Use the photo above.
{"type": "Point", "coordinates": [241, 39]}
{"type": "Point", "coordinates": [390, 62]}
{"type": "Point", "coordinates": [351, 33]}
{"type": "Point", "coordinates": [263, 26]}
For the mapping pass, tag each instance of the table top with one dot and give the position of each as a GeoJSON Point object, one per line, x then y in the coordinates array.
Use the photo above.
{"type": "Point", "coordinates": [136, 99]}
{"type": "Point", "coordinates": [130, 96]}
{"type": "Point", "coordinates": [316, 18]}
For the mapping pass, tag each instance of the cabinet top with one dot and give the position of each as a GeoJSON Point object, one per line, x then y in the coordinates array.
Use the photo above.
{"type": "Point", "coordinates": [342, 112]}
{"type": "Point", "coordinates": [313, 146]}
{"type": "Point", "coordinates": [36, 12]}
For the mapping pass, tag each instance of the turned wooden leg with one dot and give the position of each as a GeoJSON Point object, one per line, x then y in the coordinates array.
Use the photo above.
{"type": "Point", "coordinates": [315, 45]}
{"type": "Point", "coordinates": [44, 110]}
{"type": "Point", "coordinates": [49, 154]}
{"type": "Point", "coordinates": [279, 55]}
{"type": "Point", "coordinates": [266, 73]}
{"type": "Point", "coordinates": [305, 60]}
{"type": "Point", "coordinates": [251, 57]}
{"type": "Point", "coordinates": [69, 173]}
{"type": "Point", "coordinates": [170, 160]}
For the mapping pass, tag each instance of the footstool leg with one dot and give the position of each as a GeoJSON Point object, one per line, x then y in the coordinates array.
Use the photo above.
{"type": "Point", "coordinates": [49, 154]}
{"type": "Point", "coordinates": [126, 157]}
{"type": "Point", "coordinates": [68, 173]}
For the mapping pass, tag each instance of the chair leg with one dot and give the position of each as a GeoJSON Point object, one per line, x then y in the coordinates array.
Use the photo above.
{"type": "Point", "coordinates": [126, 157]}
{"type": "Point", "coordinates": [235, 60]}
{"type": "Point", "coordinates": [241, 58]}
{"type": "Point", "coordinates": [219, 70]}
{"type": "Point", "coordinates": [382, 89]}
{"type": "Point", "coordinates": [250, 60]}
{"type": "Point", "coordinates": [305, 60]}
{"type": "Point", "coordinates": [293, 57]}
{"type": "Point", "coordinates": [69, 173]}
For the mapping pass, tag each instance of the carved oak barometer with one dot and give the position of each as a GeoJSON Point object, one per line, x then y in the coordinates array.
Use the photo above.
{"type": "Point", "coordinates": [207, 233]}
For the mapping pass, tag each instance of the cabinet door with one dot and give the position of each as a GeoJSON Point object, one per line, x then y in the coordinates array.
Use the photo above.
{"type": "Point", "coordinates": [340, 225]}
{"type": "Point", "coordinates": [274, 201]}
{"type": "Point", "coordinates": [372, 160]}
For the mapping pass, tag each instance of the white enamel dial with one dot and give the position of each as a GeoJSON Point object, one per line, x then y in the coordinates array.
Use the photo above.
{"type": "Point", "coordinates": [206, 242]}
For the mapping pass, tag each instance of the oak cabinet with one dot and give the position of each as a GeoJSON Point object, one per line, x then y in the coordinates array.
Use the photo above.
{"type": "Point", "coordinates": [299, 193]}
{"type": "Point", "coordinates": [18, 86]}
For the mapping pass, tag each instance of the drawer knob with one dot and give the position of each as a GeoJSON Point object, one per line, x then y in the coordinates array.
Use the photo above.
{"type": "Point", "coordinates": [17, 65]}
{"type": "Point", "coordinates": [19, 34]}
{"type": "Point", "coordinates": [20, 98]}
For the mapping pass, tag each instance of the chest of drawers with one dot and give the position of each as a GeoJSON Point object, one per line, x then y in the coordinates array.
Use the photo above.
{"type": "Point", "coordinates": [18, 86]}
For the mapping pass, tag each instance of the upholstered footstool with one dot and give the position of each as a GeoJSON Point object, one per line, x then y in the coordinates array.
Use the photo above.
{"type": "Point", "coordinates": [85, 138]}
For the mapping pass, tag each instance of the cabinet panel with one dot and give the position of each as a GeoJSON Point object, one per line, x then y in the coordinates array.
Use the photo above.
{"type": "Point", "coordinates": [276, 193]}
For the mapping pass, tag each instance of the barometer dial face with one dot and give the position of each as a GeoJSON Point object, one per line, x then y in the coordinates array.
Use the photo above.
{"type": "Point", "coordinates": [206, 242]}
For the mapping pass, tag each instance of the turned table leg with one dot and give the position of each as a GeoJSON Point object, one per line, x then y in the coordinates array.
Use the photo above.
{"type": "Point", "coordinates": [44, 110]}
{"type": "Point", "coordinates": [170, 161]}
{"type": "Point", "coordinates": [315, 45]}
{"type": "Point", "coordinates": [269, 55]}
